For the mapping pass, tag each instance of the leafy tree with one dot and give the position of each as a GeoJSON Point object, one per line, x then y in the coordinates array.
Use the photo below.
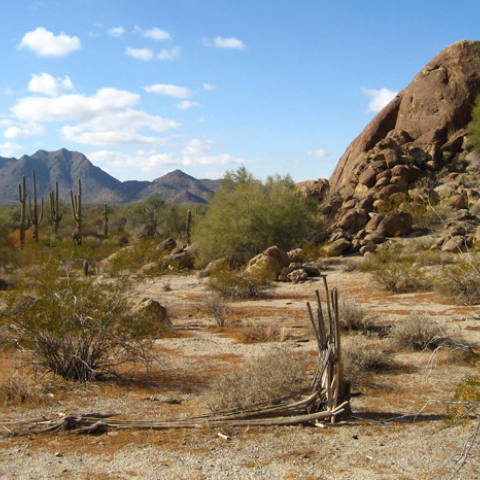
{"type": "Point", "coordinates": [146, 213]}
{"type": "Point", "coordinates": [248, 215]}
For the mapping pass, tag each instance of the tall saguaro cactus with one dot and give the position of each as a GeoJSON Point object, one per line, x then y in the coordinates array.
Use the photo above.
{"type": "Point", "coordinates": [105, 221]}
{"type": "Point", "coordinates": [22, 197]}
{"type": "Point", "coordinates": [188, 227]}
{"type": "Point", "coordinates": [76, 201]}
{"type": "Point", "coordinates": [55, 215]}
{"type": "Point", "coordinates": [34, 218]}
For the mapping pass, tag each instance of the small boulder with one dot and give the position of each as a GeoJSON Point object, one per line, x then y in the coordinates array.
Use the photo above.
{"type": "Point", "coordinates": [265, 266]}
{"type": "Point", "coordinates": [455, 244]}
{"type": "Point", "coordinates": [295, 255]}
{"type": "Point", "coordinates": [152, 307]}
{"type": "Point", "coordinates": [183, 258]}
{"type": "Point", "coordinates": [396, 224]}
{"type": "Point", "coordinates": [166, 246]}
{"type": "Point", "coordinates": [279, 255]}
{"type": "Point", "coordinates": [370, 248]}
{"type": "Point", "coordinates": [298, 276]}
{"type": "Point", "coordinates": [338, 247]}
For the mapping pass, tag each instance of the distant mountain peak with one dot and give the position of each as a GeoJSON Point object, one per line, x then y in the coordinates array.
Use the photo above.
{"type": "Point", "coordinates": [65, 167]}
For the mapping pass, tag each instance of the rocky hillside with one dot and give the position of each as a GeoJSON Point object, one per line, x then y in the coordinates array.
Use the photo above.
{"type": "Point", "coordinates": [413, 152]}
{"type": "Point", "coordinates": [66, 167]}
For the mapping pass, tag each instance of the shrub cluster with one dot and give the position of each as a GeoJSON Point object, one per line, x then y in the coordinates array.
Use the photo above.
{"type": "Point", "coordinates": [76, 327]}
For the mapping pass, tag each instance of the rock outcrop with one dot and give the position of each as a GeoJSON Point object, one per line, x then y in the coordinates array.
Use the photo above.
{"type": "Point", "coordinates": [415, 149]}
{"type": "Point", "coordinates": [428, 115]}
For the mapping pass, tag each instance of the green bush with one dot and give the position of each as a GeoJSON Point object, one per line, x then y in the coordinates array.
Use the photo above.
{"type": "Point", "coordinates": [394, 271]}
{"type": "Point", "coordinates": [247, 215]}
{"type": "Point", "coordinates": [473, 128]}
{"type": "Point", "coordinates": [77, 328]}
{"type": "Point", "coordinates": [237, 284]}
{"type": "Point", "coordinates": [465, 400]}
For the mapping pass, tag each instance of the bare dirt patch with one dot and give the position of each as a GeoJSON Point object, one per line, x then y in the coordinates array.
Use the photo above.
{"type": "Point", "coordinates": [397, 430]}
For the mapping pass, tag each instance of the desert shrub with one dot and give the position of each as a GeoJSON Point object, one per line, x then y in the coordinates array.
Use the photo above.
{"type": "Point", "coordinates": [360, 359]}
{"type": "Point", "coordinates": [237, 284]}
{"type": "Point", "coordinates": [395, 272]}
{"type": "Point", "coordinates": [473, 128]}
{"type": "Point", "coordinates": [133, 257]}
{"type": "Point", "coordinates": [247, 215]}
{"type": "Point", "coordinates": [353, 317]}
{"type": "Point", "coordinates": [264, 380]}
{"type": "Point", "coordinates": [415, 333]}
{"type": "Point", "coordinates": [17, 389]}
{"type": "Point", "coordinates": [461, 280]}
{"type": "Point", "coordinates": [218, 308]}
{"type": "Point", "coordinates": [465, 401]}
{"type": "Point", "coordinates": [76, 327]}
{"type": "Point", "coordinates": [350, 266]}
{"type": "Point", "coordinates": [257, 331]}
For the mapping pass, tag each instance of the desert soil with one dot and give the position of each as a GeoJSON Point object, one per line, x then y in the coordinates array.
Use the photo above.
{"type": "Point", "coordinates": [397, 430]}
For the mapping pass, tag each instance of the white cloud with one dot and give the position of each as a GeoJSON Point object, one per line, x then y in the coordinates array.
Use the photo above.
{"type": "Point", "coordinates": [48, 85]}
{"type": "Point", "coordinates": [24, 131]}
{"type": "Point", "coordinates": [6, 122]}
{"type": "Point", "coordinates": [144, 54]}
{"type": "Point", "coordinates": [319, 153]}
{"type": "Point", "coordinates": [197, 147]}
{"type": "Point", "coordinates": [46, 44]}
{"type": "Point", "coordinates": [116, 32]}
{"type": "Point", "coordinates": [120, 128]}
{"type": "Point", "coordinates": [107, 118]}
{"type": "Point", "coordinates": [74, 106]}
{"type": "Point", "coordinates": [8, 149]}
{"type": "Point", "coordinates": [197, 153]}
{"type": "Point", "coordinates": [79, 135]}
{"type": "Point", "coordinates": [157, 34]}
{"type": "Point", "coordinates": [169, 54]}
{"type": "Point", "coordinates": [187, 105]}
{"type": "Point", "coordinates": [171, 90]}
{"type": "Point", "coordinates": [229, 43]}
{"type": "Point", "coordinates": [379, 98]}
{"type": "Point", "coordinates": [208, 87]}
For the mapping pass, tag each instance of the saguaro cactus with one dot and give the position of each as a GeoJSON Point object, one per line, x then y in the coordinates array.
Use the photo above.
{"type": "Point", "coordinates": [22, 197]}
{"type": "Point", "coordinates": [188, 226]}
{"type": "Point", "coordinates": [105, 221]}
{"type": "Point", "coordinates": [34, 218]}
{"type": "Point", "coordinates": [76, 201]}
{"type": "Point", "coordinates": [55, 215]}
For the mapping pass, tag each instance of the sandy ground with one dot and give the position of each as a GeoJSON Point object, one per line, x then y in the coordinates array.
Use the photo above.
{"type": "Point", "coordinates": [397, 430]}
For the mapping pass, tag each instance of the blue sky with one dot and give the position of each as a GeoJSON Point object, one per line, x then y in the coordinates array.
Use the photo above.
{"type": "Point", "coordinates": [143, 87]}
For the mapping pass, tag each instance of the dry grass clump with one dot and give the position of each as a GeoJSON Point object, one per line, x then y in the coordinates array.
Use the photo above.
{"type": "Point", "coordinates": [416, 333]}
{"type": "Point", "coordinates": [257, 331]}
{"type": "Point", "coordinates": [20, 390]}
{"type": "Point", "coordinates": [353, 317]}
{"type": "Point", "coordinates": [218, 308]}
{"type": "Point", "coordinates": [461, 280]}
{"type": "Point", "coordinates": [396, 272]}
{"type": "Point", "coordinates": [264, 380]}
{"type": "Point", "coordinates": [359, 360]}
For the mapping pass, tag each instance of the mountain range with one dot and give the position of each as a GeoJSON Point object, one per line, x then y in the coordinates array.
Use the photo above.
{"type": "Point", "coordinates": [65, 167]}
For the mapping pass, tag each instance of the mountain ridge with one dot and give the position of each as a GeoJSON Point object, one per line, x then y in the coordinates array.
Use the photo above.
{"type": "Point", "coordinates": [65, 167]}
